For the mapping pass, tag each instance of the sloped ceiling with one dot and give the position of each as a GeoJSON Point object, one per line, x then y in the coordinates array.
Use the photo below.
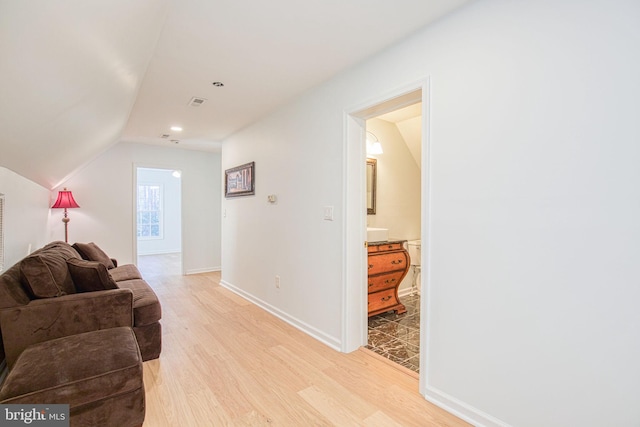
{"type": "Point", "coordinates": [70, 72]}
{"type": "Point", "coordinates": [79, 76]}
{"type": "Point", "coordinates": [408, 121]}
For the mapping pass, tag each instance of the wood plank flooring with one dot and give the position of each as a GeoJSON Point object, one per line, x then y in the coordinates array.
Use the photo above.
{"type": "Point", "coordinates": [226, 362]}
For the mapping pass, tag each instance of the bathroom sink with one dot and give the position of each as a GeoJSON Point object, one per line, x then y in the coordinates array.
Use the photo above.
{"type": "Point", "coordinates": [377, 234]}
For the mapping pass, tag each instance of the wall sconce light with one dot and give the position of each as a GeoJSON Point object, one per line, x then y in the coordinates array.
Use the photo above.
{"type": "Point", "coordinates": [65, 201]}
{"type": "Point", "coordinates": [373, 145]}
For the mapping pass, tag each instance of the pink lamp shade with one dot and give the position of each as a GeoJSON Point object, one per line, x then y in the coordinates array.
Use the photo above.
{"type": "Point", "coordinates": [65, 200]}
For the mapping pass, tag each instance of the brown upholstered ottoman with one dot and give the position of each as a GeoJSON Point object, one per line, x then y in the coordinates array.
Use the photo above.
{"type": "Point", "coordinates": [98, 374]}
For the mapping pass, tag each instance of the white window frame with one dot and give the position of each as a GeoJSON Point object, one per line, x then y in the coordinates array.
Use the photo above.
{"type": "Point", "coordinates": [160, 211]}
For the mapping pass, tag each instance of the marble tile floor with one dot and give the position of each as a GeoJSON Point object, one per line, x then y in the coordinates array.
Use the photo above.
{"type": "Point", "coordinates": [397, 337]}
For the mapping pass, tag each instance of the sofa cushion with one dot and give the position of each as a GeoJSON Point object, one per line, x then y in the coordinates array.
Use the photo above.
{"type": "Point", "coordinates": [63, 249]}
{"type": "Point", "coordinates": [13, 291]}
{"type": "Point", "coordinates": [77, 370]}
{"type": "Point", "coordinates": [43, 275]}
{"type": "Point", "coordinates": [57, 253]}
{"type": "Point", "coordinates": [146, 307]}
{"type": "Point", "coordinates": [125, 272]}
{"type": "Point", "coordinates": [89, 276]}
{"type": "Point", "coordinates": [91, 252]}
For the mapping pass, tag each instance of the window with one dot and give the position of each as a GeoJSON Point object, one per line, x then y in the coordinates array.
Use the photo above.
{"type": "Point", "coordinates": [1, 232]}
{"type": "Point", "coordinates": [149, 211]}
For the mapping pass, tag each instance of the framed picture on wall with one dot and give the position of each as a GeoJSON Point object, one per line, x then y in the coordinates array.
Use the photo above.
{"type": "Point", "coordinates": [240, 181]}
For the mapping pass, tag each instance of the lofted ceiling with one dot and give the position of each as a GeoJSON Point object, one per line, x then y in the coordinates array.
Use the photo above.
{"type": "Point", "coordinates": [78, 76]}
{"type": "Point", "coordinates": [408, 121]}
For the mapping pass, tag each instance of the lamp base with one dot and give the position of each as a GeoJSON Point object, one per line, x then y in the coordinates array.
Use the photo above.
{"type": "Point", "coordinates": [66, 220]}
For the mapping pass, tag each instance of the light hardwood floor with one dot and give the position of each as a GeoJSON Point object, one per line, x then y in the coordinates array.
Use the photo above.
{"type": "Point", "coordinates": [226, 362]}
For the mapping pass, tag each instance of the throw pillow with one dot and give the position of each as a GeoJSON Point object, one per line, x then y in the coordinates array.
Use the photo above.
{"type": "Point", "coordinates": [89, 276]}
{"type": "Point", "coordinates": [91, 252]}
{"type": "Point", "coordinates": [39, 278]}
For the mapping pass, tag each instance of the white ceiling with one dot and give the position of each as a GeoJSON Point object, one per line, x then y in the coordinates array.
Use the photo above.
{"type": "Point", "coordinates": [79, 76]}
{"type": "Point", "coordinates": [403, 114]}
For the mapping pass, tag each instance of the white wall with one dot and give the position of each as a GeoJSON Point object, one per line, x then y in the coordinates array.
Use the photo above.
{"type": "Point", "coordinates": [25, 217]}
{"type": "Point", "coordinates": [398, 184]}
{"type": "Point", "coordinates": [171, 212]}
{"type": "Point", "coordinates": [534, 233]}
{"type": "Point", "coordinates": [104, 189]}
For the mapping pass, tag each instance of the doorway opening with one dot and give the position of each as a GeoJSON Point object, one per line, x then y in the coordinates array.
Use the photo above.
{"type": "Point", "coordinates": [394, 148]}
{"type": "Point", "coordinates": [158, 230]}
{"type": "Point", "coordinates": [355, 274]}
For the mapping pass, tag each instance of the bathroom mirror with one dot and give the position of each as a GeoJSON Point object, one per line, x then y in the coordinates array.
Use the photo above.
{"type": "Point", "coordinates": [372, 166]}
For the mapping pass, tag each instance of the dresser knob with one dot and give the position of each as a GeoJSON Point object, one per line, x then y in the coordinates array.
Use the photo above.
{"type": "Point", "coordinates": [389, 281]}
{"type": "Point", "coordinates": [385, 299]}
{"type": "Point", "coordinates": [370, 266]}
{"type": "Point", "coordinates": [396, 262]}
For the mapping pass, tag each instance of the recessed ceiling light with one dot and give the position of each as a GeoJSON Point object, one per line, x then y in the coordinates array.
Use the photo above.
{"type": "Point", "coordinates": [218, 84]}
{"type": "Point", "coordinates": [176, 128]}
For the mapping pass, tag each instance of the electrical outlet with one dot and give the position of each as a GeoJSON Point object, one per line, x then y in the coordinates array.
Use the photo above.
{"type": "Point", "coordinates": [277, 282]}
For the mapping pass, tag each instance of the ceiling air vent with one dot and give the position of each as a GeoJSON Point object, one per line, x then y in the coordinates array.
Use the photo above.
{"type": "Point", "coordinates": [196, 102]}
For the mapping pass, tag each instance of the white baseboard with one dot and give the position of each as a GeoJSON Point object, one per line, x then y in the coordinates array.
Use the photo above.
{"type": "Point", "coordinates": [332, 342]}
{"type": "Point", "coordinates": [406, 291]}
{"type": "Point", "coordinates": [163, 252]}
{"type": "Point", "coordinates": [202, 270]}
{"type": "Point", "coordinates": [462, 410]}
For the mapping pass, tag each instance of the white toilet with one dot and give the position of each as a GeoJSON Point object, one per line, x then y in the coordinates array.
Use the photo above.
{"type": "Point", "coordinates": [414, 248]}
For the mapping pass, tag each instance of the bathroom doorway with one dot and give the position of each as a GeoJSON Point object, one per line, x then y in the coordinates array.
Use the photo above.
{"type": "Point", "coordinates": [158, 228]}
{"type": "Point", "coordinates": [394, 146]}
{"type": "Point", "coordinates": [355, 273]}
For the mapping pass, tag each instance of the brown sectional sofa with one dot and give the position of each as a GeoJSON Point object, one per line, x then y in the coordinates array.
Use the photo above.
{"type": "Point", "coordinates": [67, 309]}
{"type": "Point", "coordinates": [16, 292]}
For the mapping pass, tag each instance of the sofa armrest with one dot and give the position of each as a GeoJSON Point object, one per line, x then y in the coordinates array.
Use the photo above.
{"type": "Point", "coordinates": [50, 318]}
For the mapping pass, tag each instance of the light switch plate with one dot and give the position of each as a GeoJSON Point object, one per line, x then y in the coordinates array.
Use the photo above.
{"type": "Point", "coordinates": [328, 213]}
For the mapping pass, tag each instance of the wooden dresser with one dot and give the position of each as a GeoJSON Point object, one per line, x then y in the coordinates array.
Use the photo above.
{"type": "Point", "coordinates": [388, 264]}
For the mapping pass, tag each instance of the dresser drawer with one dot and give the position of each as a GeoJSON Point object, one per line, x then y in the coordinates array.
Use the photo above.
{"type": "Point", "coordinates": [386, 262]}
{"type": "Point", "coordinates": [381, 300]}
{"type": "Point", "coordinates": [384, 281]}
{"type": "Point", "coordinates": [385, 247]}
